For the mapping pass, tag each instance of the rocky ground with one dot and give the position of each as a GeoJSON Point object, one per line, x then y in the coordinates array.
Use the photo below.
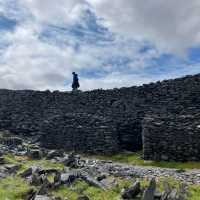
{"type": "Point", "coordinates": [41, 174]}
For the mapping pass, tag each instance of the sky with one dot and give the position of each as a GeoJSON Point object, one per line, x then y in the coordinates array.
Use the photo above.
{"type": "Point", "coordinates": [110, 44]}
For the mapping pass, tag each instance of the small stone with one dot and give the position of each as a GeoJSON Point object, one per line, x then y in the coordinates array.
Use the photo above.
{"type": "Point", "coordinates": [54, 153]}
{"type": "Point", "coordinates": [67, 178]}
{"type": "Point", "coordinates": [2, 161]}
{"type": "Point", "coordinates": [101, 177]}
{"type": "Point", "coordinates": [44, 188]}
{"type": "Point", "coordinates": [35, 154]}
{"type": "Point", "coordinates": [12, 168]}
{"type": "Point", "coordinates": [26, 173]}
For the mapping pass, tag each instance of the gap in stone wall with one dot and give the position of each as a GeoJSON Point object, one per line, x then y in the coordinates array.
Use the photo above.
{"type": "Point", "coordinates": [130, 136]}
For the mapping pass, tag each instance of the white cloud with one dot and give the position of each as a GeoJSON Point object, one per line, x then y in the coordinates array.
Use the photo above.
{"type": "Point", "coordinates": [172, 25]}
{"type": "Point", "coordinates": [55, 11]}
{"type": "Point", "coordinates": [30, 61]}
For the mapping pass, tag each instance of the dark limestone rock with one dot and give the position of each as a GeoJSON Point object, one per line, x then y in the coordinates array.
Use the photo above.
{"type": "Point", "coordinates": [108, 182]}
{"type": "Point", "coordinates": [83, 198]}
{"type": "Point", "coordinates": [57, 179]}
{"type": "Point", "coordinates": [12, 168]}
{"type": "Point", "coordinates": [42, 197]}
{"type": "Point", "coordinates": [71, 161]}
{"type": "Point", "coordinates": [2, 161]}
{"type": "Point", "coordinates": [36, 179]}
{"type": "Point", "coordinates": [101, 177]}
{"type": "Point", "coordinates": [150, 191]}
{"type": "Point", "coordinates": [45, 187]}
{"type": "Point", "coordinates": [68, 178]}
{"type": "Point", "coordinates": [131, 192]}
{"type": "Point", "coordinates": [92, 181]}
{"type": "Point", "coordinates": [30, 195]}
{"type": "Point", "coordinates": [35, 154]}
{"type": "Point", "coordinates": [26, 173]}
{"type": "Point", "coordinates": [54, 153]}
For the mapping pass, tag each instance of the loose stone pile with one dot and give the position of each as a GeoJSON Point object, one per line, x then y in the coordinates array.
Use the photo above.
{"type": "Point", "coordinates": [96, 173]}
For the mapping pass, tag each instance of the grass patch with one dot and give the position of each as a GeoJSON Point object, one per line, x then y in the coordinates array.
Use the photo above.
{"type": "Point", "coordinates": [194, 192]}
{"type": "Point", "coordinates": [13, 188]}
{"type": "Point", "coordinates": [135, 159]}
{"type": "Point", "coordinates": [82, 188]}
{"type": "Point", "coordinates": [26, 162]}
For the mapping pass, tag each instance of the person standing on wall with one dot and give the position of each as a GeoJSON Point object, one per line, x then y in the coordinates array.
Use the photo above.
{"type": "Point", "coordinates": [75, 83]}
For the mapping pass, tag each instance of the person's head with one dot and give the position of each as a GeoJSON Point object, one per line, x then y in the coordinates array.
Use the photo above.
{"type": "Point", "coordinates": [73, 73]}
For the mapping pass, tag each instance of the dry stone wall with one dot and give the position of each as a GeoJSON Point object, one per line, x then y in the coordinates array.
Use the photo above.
{"type": "Point", "coordinates": [105, 121]}
{"type": "Point", "coordinates": [172, 138]}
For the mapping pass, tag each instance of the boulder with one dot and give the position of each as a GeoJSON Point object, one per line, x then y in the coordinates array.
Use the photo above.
{"type": "Point", "coordinates": [167, 190]}
{"type": "Point", "coordinates": [109, 182]}
{"type": "Point", "coordinates": [131, 192]}
{"type": "Point", "coordinates": [2, 161]}
{"type": "Point", "coordinates": [36, 179]}
{"type": "Point", "coordinates": [54, 153]}
{"type": "Point", "coordinates": [71, 161]}
{"type": "Point", "coordinates": [12, 168]}
{"type": "Point", "coordinates": [33, 169]}
{"type": "Point", "coordinates": [44, 188]}
{"type": "Point", "coordinates": [42, 197]}
{"type": "Point", "coordinates": [28, 172]}
{"type": "Point", "coordinates": [30, 195]}
{"type": "Point", "coordinates": [101, 177]}
{"type": "Point", "coordinates": [150, 191]}
{"type": "Point", "coordinates": [173, 195]}
{"type": "Point", "coordinates": [68, 178]}
{"type": "Point", "coordinates": [35, 154]}
{"type": "Point", "coordinates": [57, 179]}
{"type": "Point", "coordinates": [91, 181]}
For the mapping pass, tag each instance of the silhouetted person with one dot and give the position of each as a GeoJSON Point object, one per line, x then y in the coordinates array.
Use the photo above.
{"type": "Point", "coordinates": [75, 83]}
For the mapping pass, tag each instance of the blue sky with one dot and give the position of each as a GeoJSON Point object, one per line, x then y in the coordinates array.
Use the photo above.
{"type": "Point", "coordinates": [109, 44]}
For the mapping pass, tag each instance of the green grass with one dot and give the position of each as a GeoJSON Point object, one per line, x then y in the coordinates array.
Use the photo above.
{"type": "Point", "coordinates": [194, 192]}
{"type": "Point", "coordinates": [135, 159]}
{"type": "Point", "coordinates": [13, 188]}
{"type": "Point", "coordinates": [81, 188]}
{"type": "Point", "coordinates": [26, 163]}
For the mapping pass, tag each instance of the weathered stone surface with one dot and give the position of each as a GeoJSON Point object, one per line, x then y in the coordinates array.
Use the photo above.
{"type": "Point", "coordinates": [54, 153]}
{"type": "Point", "coordinates": [68, 178]}
{"type": "Point", "coordinates": [131, 192]}
{"type": "Point", "coordinates": [26, 173]}
{"type": "Point", "coordinates": [172, 137]}
{"type": "Point", "coordinates": [150, 191]}
{"type": "Point", "coordinates": [12, 168]}
{"type": "Point", "coordinates": [42, 197]}
{"type": "Point", "coordinates": [71, 161]}
{"type": "Point", "coordinates": [35, 154]}
{"type": "Point", "coordinates": [44, 188]}
{"type": "Point", "coordinates": [2, 161]}
{"type": "Point", "coordinates": [107, 121]}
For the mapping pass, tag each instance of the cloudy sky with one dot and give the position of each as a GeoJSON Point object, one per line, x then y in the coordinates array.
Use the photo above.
{"type": "Point", "coordinates": [108, 43]}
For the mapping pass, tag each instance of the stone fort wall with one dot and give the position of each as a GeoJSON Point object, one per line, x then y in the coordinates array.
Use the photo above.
{"type": "Point", "coordinates": [109, 121]}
